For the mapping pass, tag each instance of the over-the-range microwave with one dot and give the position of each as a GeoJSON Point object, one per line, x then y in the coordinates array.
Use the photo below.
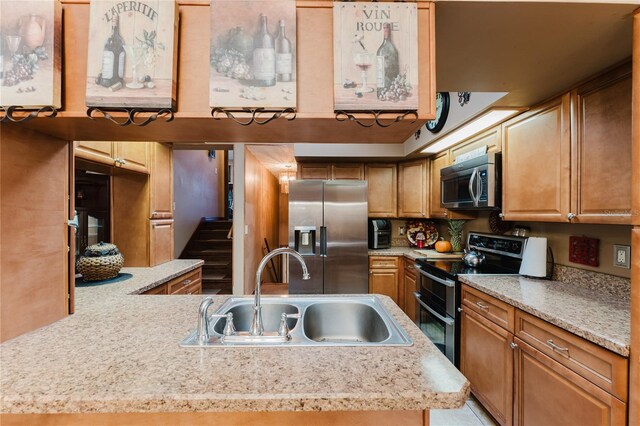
{"type": "Point", "coordinates": [472, 184]}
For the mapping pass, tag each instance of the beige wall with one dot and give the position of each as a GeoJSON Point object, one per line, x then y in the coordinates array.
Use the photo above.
{"type": "Point", "coordinates": [197, 183]}
{"type": "Point", "coordinates": [261, 216]}
{"type": "Point", "coordinates": [34, 182]}
{"type": "Point", "coordinates": [558, 235]}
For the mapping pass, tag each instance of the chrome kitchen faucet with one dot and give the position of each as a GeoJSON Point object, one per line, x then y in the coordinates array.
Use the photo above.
{"type": "Point", "coordinates": [257, 329]}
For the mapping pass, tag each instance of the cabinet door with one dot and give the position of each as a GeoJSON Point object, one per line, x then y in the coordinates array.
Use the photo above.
{"type": "Point", "coordinates": [413, 180]}
{"type": "Point", "coordinates": [161, 178]}
{"type": "Point", "coordinates": [438, 162]}
{"type": "Point", "coordinates": [347, 171]}
{"type": "Point", "coordinates": [314, 171]}
{"type": "Point", "coordinates": [492, 139]}
{"type": "Point", "coordinates": [99, 152]}
{"type": "Point", "coordinates": [160, 241]}
{"type": "Point", "coordinates": [536, 163]}
{"type": "Point", "coordinates": [602, 154]}
{"type": "Point", "coordinates": [383, 195]}
{"type": "Point", "coordinates": [486, 359]}
{"type": "Point", "coordinates": [546, 393]}
{"type": "Point", "coordinates": [384, 281]}
{"type": "Point", "coordinates": [410, 286]}
{"type": "Point", "coordinates": [132, 156]}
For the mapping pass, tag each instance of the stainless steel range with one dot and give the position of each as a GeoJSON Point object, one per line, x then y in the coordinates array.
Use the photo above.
{"type": "Point", "coordinates": [438, 301]}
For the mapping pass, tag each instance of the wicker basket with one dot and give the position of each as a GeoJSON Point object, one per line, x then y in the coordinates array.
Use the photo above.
{"type": "Point", "coordinates": [101, 261]}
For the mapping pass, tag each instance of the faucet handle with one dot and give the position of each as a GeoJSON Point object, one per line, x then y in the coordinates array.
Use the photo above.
{"type": "Point", "coordinates": [283, 330]}
{"type": "Point", "coordinates": [229, 328]}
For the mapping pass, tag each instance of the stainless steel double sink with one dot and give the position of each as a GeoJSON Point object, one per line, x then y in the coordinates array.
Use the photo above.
{"type": "Point", "coordinates": [324, 321]}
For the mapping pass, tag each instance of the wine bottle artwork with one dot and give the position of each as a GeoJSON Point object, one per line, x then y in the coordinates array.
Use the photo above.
{"type": "Point", "coordinates": [131, 57]}
{"type": "Point", "coordinates": [31, 53]}
{"type": "Point", "coordinates": [264, 56]}
{"type": "Point", "coordinates": [253, 54]}
{"type": "Point", "coordinates": [283, 54]}
{"type": "Point", "coordinates": [375, 56]}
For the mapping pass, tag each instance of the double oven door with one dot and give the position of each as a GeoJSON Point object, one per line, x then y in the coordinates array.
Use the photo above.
{"type": "Point", "coordinates": [437, 314]}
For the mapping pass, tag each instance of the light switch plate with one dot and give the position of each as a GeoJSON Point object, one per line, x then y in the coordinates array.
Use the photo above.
{"type": "Point", "coordinates": [622, 256]}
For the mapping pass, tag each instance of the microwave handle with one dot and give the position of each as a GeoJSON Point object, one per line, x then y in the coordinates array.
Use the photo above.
{"type": "Point", "coordinates": [480, 189]}
{"type": "Point", "coordinates": [473, 195]}
{"type": "Point", "coordinates": [447, 321]}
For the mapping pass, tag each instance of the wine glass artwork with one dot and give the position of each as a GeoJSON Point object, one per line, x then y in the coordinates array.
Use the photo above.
{"type": "Point", "coordinates": [135, 52]}
{"type": "Point", "coordinates": [363, 60]}
{"type": "Point", "coordinates": [13, 43]}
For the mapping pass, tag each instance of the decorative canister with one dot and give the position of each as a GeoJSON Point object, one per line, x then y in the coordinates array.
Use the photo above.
{"type": "Point", "coordinates": [101, 261]}
{"type": "Point", "coordinates": [32, 30]}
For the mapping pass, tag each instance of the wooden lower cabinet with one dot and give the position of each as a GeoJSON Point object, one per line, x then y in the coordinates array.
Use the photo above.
{"type": "Point", "coordinates": [384, 273]}
{"type": "Point", "coordinates": [486, 359]}
{"type": "Point", "coordinates": [160, 241]}
{"type": "Point", "coordinates": [411, 284]}
{"type": "Point", "coordinates": [547, 393]}
{"type": "Point", "coordinates": [522, 379]}
{"type": "Point", "coordinates": [188, 283]}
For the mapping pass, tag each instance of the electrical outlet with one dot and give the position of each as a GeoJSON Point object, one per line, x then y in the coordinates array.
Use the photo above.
{"type": "Point", "coordinates": [400, 230]}
{"type": "Point", "coordinates": [622, 256]}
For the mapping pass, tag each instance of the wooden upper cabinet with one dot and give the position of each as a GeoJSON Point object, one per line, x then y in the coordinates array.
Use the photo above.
{"type": "Point", "coordinates": [98, 152]}
{"type": "Point", "coordinates": [601, 182]}
{"type": "Point", "coordinates": [353, 171]}
{"type": "Point", "coordinates": [383, 189]}
{"type": "Point", "coordinates": [438, 162]}
{"type": "Point", "coordinates": [413, 188]}
{"type": "Point", "coordinates": [161, 178]}
{"type": "Point", "coordinates": [536, 163]}
{"type": "Point", "coordinates": [132, 156]}
{"type": "Point", "coordinates": [320, 171]}
{"type": "Point", "coordinates": [491, 138]}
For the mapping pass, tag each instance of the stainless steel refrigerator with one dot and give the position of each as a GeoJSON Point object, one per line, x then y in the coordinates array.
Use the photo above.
{"type": "Point", "coordinates": [328, 226]}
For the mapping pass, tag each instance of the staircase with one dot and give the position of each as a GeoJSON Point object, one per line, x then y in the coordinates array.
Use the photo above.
{"type": "Point", "coordinates": [209, 242]}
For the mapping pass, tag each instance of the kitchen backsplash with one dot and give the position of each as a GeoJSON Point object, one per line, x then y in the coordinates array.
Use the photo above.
{"type": "Point", "coordinates": [611, 284]}
{"type": "Point", "coordinates": [558, 235]}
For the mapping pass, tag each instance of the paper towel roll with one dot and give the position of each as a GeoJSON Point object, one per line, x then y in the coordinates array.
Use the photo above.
{"type": "Point", "coordinates": [534, 258]}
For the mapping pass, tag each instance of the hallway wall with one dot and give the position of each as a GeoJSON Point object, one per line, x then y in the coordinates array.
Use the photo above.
{"type": "Point", "coordinates": [197, 183]}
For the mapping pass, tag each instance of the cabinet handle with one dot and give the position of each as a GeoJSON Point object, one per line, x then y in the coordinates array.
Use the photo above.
{"type": "Point", "coordinates": [482, 306]}
{"type": "Point", "coordinates": [186, 282]}
{"type": "Point", "coordinates": [460, 309]}
{"type": "Point", "coordinates": [557, 348]}
{"type": "Point", "coordinates": [370, 272]}
{"type": "Point", "coordinates": [500, 215]}
{"type": "Point", "coordinates": [513, 345]}
{"type": "Point", "coordinates": [571, 216]}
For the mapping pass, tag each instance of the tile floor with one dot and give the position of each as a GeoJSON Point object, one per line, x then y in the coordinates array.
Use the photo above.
{"type": "Point", "coordinates": [472, 414]}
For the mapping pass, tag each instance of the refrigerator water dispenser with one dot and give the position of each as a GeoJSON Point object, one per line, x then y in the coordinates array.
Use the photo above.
{"type": "Point", "coordinates": [305, 240]}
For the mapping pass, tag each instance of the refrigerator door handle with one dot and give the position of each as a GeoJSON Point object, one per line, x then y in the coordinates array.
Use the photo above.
{"type": "Point", "coordinates": [323, 241]}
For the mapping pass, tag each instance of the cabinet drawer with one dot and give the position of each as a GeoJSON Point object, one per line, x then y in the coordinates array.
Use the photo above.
{"type": "Point", "coordinates": [489, 307]}
{"type": "Point", "coordinates": [383, 262]}
{"type": "Point", "coordinates": [596, 364]}
{"type": "Point", "coordinates": [161, 289]}
{"type": "Point", "coordinates": [410, 268]}
{"type": "Point", "coordinates": [181, 284]}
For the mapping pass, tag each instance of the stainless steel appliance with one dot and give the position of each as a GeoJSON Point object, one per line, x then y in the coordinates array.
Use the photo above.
{"type": "Point", "coordinates": [472, 184]}
{"type": "Point", "coordinates": [438, 301]}
{"type": "Point", "coordinates": [328, 227]}
{"type": "Point", "coordinates": [379, 233]}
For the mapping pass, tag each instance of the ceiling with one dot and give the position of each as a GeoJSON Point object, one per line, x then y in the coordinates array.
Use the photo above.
{"type": "Point", "coordinates": [531, 50]}
{"type": "Point", "coordinates": [275, 158]}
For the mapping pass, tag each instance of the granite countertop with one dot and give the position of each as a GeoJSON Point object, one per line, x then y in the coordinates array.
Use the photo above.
{"type": "Point", "coordinates": [120, 353]}
{"type": "Point", "coordinates": [397, 251]}
{"type": "Point", "coordinates": [598, 316]}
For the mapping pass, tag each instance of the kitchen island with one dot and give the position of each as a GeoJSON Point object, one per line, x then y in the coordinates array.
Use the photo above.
{"type": "Point", "coordinates": [118, 358]}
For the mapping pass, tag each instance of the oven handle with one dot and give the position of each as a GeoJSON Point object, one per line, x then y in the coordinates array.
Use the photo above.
{"type": "Point", "coordinates": [445, 320]}
{"type": "Point", "coordinates": [448, 283]}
